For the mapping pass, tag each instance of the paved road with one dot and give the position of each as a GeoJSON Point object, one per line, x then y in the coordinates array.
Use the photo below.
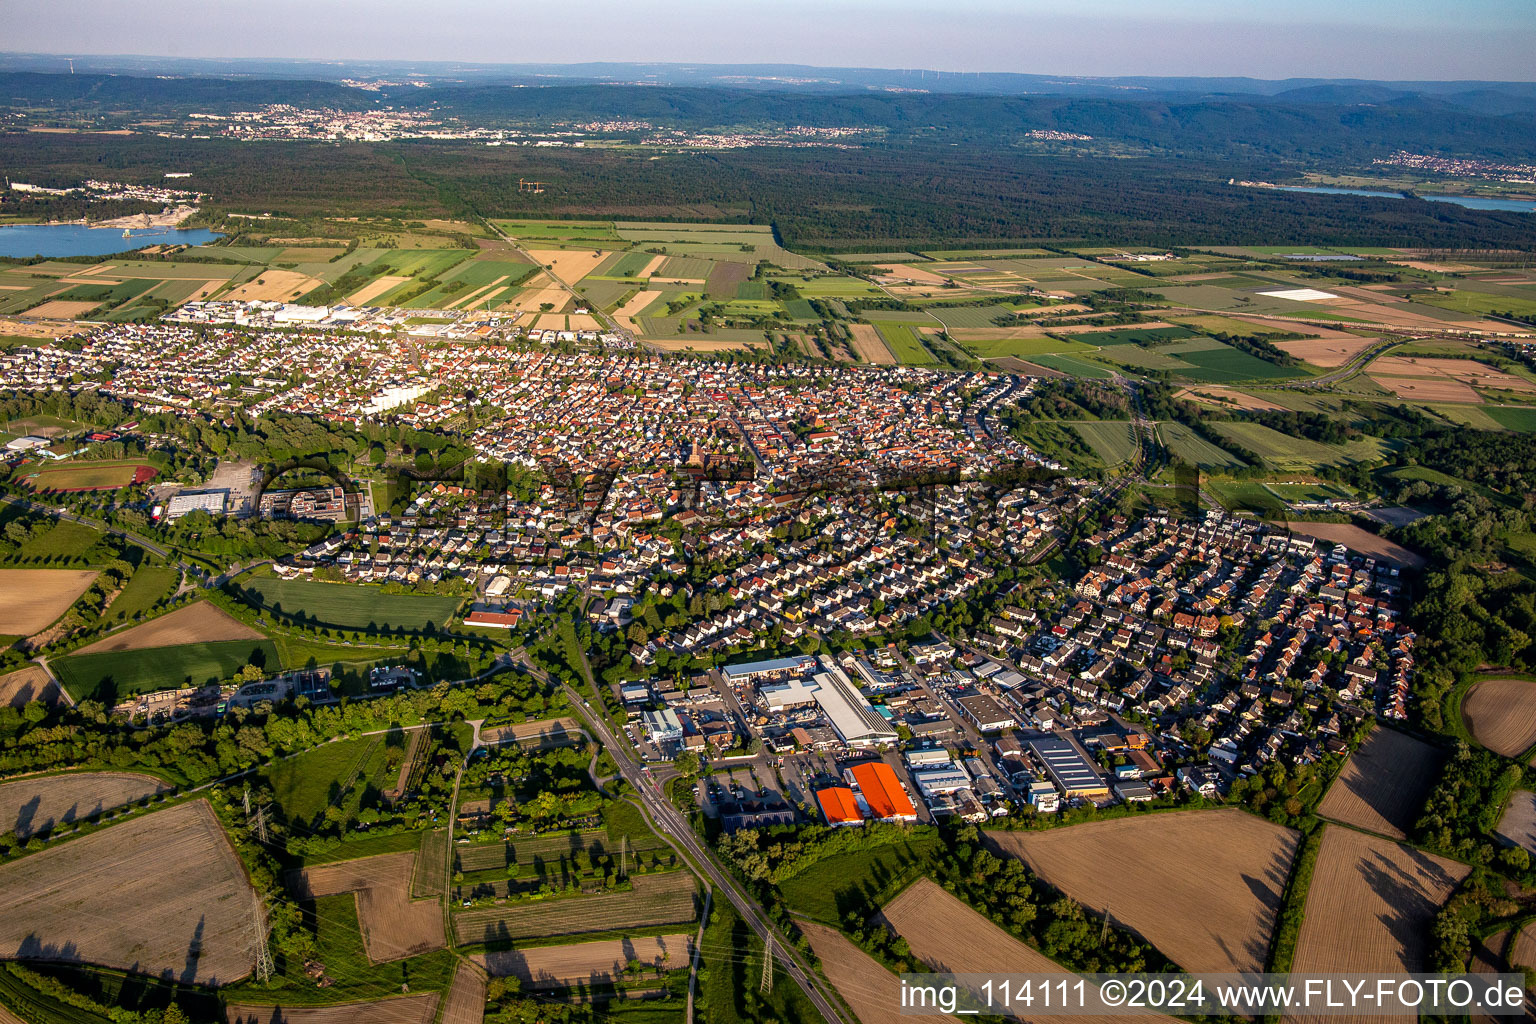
{"type": "Point", "coordinates": [676, 829]}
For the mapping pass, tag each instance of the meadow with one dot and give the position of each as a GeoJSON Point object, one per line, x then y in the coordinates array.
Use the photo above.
{"type": "Point", "coordinates": [350, 606]}
{"type": "Point", "coordinates": [115, 675]}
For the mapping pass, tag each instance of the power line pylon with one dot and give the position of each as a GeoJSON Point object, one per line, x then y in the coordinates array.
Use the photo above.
{"type": "Point", "coordinates": [767, 984]}
{"type": "Point", "coordinates": [264, 967]}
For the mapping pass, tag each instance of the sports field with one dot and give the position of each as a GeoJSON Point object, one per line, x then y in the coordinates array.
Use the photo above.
{"type": "Point", "coordinates": [350, 606]}
{"type": "Point", "coordinates": [89, 476]}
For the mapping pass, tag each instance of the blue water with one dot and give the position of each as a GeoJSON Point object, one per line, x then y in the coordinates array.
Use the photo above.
{"type": "Point", "coordinates": [1470, 202]}
{"type": "Point", "coordinates": [26, 240]}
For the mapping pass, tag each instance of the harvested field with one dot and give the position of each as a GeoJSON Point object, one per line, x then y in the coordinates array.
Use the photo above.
{"type": "Point", "coordinates": [1335, 349]}
{"type": "Point", "coordinates": [872, 991]}
{"type": "Point", "coordinates": [430, 877]}
{"type": "Point", "coordinates": [1370, 906]}
{"type": "Point", "coordinates": [585, 962]}
{"type": "Point", "coordinates": [699, 343]}
{"type": "Point", "coordinates": [1468, 371]}
{"type": "Point", "coordinates": [1244, 863]}
{"type": "Point", "coordinates": [542, 735]}
{"type": "Point", "coordinates": [201, 622]}
{"type": "Point", "coordinates": [1021, 366]}
{"type": "Point", "coordinates": [274, 285]}
{"type": "Point", "coordinates": [569, 265]}
{"type": "Point", "coordinates": [656, 899]}
{"type": "Point", "coordinates": [465, 1003]}
{"type": "Point", "coordinates": [1384, 784]}
{"type": "Point", "coordinates": [1428, 389]}
{"type": "Point", "coordinates": [1501, 714]}
{"type": "Point", "coordinates": [24, 685]}
{"type": "Point", "coordinates": [33, 805]}
{"type": "Point", "coordinates": [948, 935]}
{"type": "Point", "coordinates": [869, 346]}
{"type": "Point", "coordinates": [626, 313]}
{"type": "Point", "coordinates": [32, 598]}
{"type": "Point", "coordinates": [393, 925]}
{"type": "Point", "coordinates": [375, 288]}
{"type": "Point", "coordinates": [52, 905]}
{"type": "Point", "coordinates": [1361, 541]}
{"type": "Point", "coordinates": [1228, 398]}
{"type": "Point", "coordinates": [62, 309]}
{"type": "Point", "coordinates": [1518, 825]}
{"type": "Point", "coordinates": [404, 1010]}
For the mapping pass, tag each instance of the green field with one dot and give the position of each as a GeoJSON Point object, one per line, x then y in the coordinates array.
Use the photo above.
{"type": "Point", "coordinates": [1073, 365]}
{"type": "Point", "coordinates": [335, 775]}
{"type": "Point", "coordinates": [147, 586]}
{"type": "Point", "coordinates": [1519, 418]}
{"type": "Point", "coordinates": [905, 345]}
{"type": "Point", "coordinates": [1194, 449]}
{"type": "Point", "coordinates": [65, 541]}
{"type": "Point", "coordinates": [1136, 336]}
{"type": "Point", "coordinates": [559, 230]}
{"type": "Point", "coordinates": [1019, 348]}
{"type": "Point", "coordinates": [350, 606]}
{"type": "Point", "coordinates": [1298, 453]}
{"type": "Point", "coordinates": [731, 973]}
{"type": "Point", "coordinates": [1474, 302]}
{"type": "Point", "coordinates": [1244, 496]}
{"type": "Point", "coordinates": [1114, 441]}
{"type": "Point", "coordinates": [971, 316]}
{"type": "Point", "coordinates": [854, 880]}
{"type": "Point", "coordinates": [119, 674]}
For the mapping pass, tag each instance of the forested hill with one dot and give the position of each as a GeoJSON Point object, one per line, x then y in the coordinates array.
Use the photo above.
{"type": "Point", "coordinates": [1322, 125]}
{"type": "Point", "coordinates": [29, 90]}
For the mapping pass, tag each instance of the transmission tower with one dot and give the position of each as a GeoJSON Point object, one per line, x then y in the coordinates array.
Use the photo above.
{"type": "Point", "coordinates": [767, 985]}
{"type": "Point", "coordinates": [1104, 932]}
{"type": "Point", "coordinates": [261, 825]}
{"type": "Point", "coordinates": [263, 954]}
{"type": "Point", "coordinates": [247, 801]}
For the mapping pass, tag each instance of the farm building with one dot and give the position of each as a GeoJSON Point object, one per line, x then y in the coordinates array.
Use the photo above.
{"type": "Point", "coordinates": [1073, 774]}
{"type": "Point", "coordinates": [879, 792]}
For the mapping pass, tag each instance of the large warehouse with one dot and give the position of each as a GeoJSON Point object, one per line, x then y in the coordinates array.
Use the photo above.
{"type": "Point", "coordinates": [852, 717]}
{"type": "Point", "coordinates": [1068, 768]}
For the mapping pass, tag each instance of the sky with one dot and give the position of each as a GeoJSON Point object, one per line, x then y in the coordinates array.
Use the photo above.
{"type": "Point", "coordinates": [1379, 39]}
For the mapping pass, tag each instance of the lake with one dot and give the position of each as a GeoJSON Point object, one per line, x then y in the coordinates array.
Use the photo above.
{"type": "Point", "coordinates": [26, 240]}
{"type": "Point", "coordinates": [1470, 202]}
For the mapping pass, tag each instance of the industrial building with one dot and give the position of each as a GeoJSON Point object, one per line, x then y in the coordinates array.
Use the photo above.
{"type": "Point", "coordinates": [1072, 773]}
{"type": "Point", "coordinates": [839, 806]}
{"type": "Point", "coordinates": [987, 714]}
{"type": "Point", "coordinates": [212, 502]}
{"type": "Point", "coordinates": [879, 792]}
{"type": "Point", "coordinates": [749, 672]}
{"type": "Point", "coordinates": [852, 717]}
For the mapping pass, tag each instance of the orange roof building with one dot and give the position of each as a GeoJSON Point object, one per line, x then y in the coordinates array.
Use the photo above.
{"type": "Point", "coordinates": [839, 806]}
{"type": "Point", "coordinates": [882, 792]}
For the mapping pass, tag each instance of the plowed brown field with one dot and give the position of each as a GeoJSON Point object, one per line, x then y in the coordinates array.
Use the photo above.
{"type": "Point", "coordinates": [1216, 918]}
{"type": "Point", "coordinates": [32, 598]}
{"type": "Point", "coordinates": [393, 925]}
{"type": "Point", "coordinates": [1384, 784]}
{"type": "Point", "coordinates": [873, 992]}
{"type": "Point", "coordinates": [589, 962]}
{"type": "Point", "coordinates": [1501, 714]}
{"type": "Point", "coordinates": [25, 685]}
{"type": "Point", "coordinates": [162, 894]}
{"type": "Point", "coordinates": [193, 624]}
{"type": "Point", "coordinates": [405, 1010]}
{"type": "Point", "coordinates": [33, 805]}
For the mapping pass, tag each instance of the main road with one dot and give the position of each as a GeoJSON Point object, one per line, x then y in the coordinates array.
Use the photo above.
{"type": "Point", "coordinates": [678, 831]}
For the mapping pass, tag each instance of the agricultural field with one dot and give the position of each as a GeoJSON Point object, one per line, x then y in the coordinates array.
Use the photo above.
{"type": "Point", "coordinates": [1360, 540]}
{"type": "Point", "coordinates": [948, 935]}
{"type": "Point", "coordinates": [537, 735]}
{"type": "Point", "coordinates": [31, 599]}
{"type": "Point", "coordinates": [148, 585]}
{"type": "Point", "coordinates": [49, 911]}
{"type": "Point", "coordinates": [115, 675]}
{"type": "Point", "coordinates": [419, 1009]}
{"type": "Point", "coordinates": [27, 684]}
{"type": "Point", "coordinates": [1244, 863]}
{"type": "Point", "coordinates": [66, 540]}
{"type": "Point", "coordinates": [1518, 823]}
{"type": "Point", "coordinates": [1370, 906]}
{"type": "Point", "coordinates": [837, 885]}
{"type": "Point", "coordinates": [465, 1001]}
{"type": "Point", "coordinates": [1194, 449]}
{"type": "Point", "coordinates": [1501, 714]}
{"type": "Point", "coordinates": [905, 344]}
{"type": "Point", "coordinates": [393, 925]}
{"type": "Point", "coordinates": [196, 623]}
{"type": "Point", "coordinates": [866, 985]}
{"type": "Point", "coordinates": [38, 804]}
{"type": "Point", "coordinates": [1384, 784]}
{"type": "Point", "coordinates": [870, 346]}
{"type": "Point", "coordinates": [335, 775]}
{"type": "Point", "coordinates": [662, 899]}
{"type": "Point", "coordinates": [598, 962]}
{"type": "Point", "coordinates": [350, 606]}
{"type": "Point", "coordinates": [1113, 441]}
{"type": "Point", "coordinates": [1295, 454]}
